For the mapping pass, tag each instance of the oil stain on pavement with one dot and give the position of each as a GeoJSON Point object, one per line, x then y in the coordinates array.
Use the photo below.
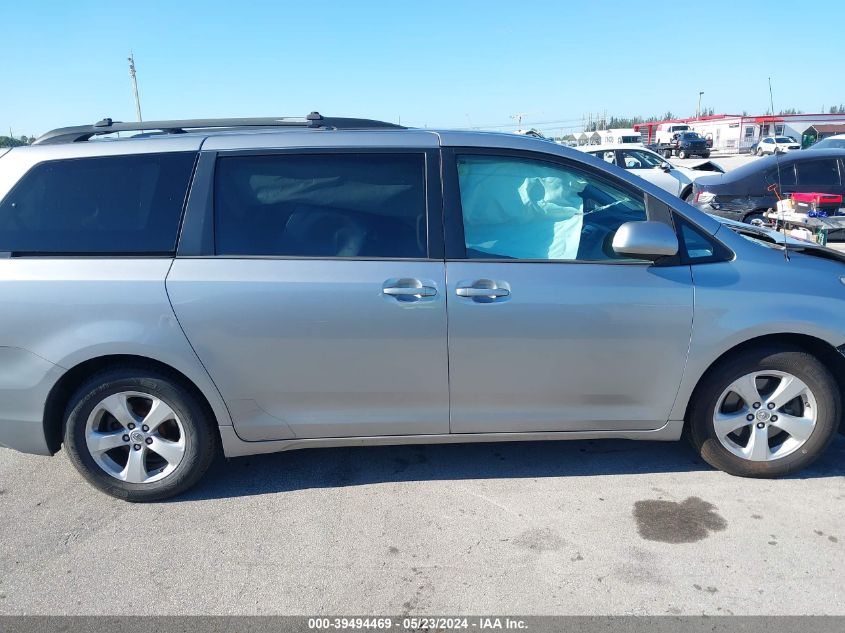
{"type": "Point", "coordinates": [672, 522]}
{"type": "Point", "coordinates": [539, 540]}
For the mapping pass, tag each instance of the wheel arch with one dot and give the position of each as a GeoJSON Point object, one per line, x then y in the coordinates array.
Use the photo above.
{"type": "Point", "coordinates": [64, 388]}
{"type": "Point", "coordinates": [829, 355]}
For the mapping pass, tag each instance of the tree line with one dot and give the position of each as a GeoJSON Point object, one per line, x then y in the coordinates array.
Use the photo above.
{"type": "Point", "coordinates": [11, 141]}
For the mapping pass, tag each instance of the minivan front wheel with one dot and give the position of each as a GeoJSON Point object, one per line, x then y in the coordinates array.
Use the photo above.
{"type": "Point", "coordinates": [764, 412]}
{"type": "Point", "coordinates": [138, 435]}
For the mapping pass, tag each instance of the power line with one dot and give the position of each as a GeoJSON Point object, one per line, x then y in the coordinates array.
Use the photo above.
{"type": "Point", "coordinates": [497, 126]}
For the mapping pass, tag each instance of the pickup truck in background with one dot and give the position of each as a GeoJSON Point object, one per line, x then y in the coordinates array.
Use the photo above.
{"type": "Point", "coordinates": [683, 144]}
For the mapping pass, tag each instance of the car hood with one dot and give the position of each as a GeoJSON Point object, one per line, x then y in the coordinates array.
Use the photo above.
{"type": "Point", "coordinates": [706, 166]}
{"type": "Point", "coordinates": [699, 171]}
{"type": "Point", "coordinates": [794, 245]}
{"type": "Point", "coordinates": [708, 178]}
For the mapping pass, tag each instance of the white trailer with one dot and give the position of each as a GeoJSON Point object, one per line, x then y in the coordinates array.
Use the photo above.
{"type": "Point", "coordinates": [734, 133]}
{"type": "Point", "coordinates": [619, 136]}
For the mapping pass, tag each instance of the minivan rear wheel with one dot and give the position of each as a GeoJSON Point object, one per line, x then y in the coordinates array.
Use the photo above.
{"type": "Point", "coordinates": [764, 412]}
{"type": "Point", "coordinates": [138, 435]}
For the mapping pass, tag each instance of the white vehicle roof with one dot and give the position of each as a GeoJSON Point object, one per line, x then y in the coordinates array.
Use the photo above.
{"type": "Point", "coordinates": [686, 169]}
{"type": "Point", "coordinates": [613, 146]}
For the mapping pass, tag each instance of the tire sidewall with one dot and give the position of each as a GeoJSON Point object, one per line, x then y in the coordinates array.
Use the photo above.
{"type": "Point", "coordinates": [180, 400]}
{"type": "Point", "coordinates": [799, 364]}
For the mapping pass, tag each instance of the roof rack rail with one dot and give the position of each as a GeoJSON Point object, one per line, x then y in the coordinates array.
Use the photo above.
{"type": "Point", "coordinates": [107, 126]}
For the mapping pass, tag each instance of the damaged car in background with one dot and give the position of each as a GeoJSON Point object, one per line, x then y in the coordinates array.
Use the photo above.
{"type": "Point", "coordinates": [747, 192]}
{"type": "Point", "coordinates": [650, 166]}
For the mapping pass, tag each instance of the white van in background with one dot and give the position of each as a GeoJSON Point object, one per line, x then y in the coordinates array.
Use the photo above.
{"type": "Point", "coordinates": [620, 136]}
{"type": "Point", "coordinates": [666, 132]}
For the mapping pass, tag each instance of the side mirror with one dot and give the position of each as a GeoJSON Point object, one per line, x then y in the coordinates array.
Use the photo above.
{"type": "Point", "coordinates": [645, 240]}
{"type": "Point", "coordinates": [666, 166]}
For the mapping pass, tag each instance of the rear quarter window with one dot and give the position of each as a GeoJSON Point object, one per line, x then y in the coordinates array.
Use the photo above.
{"type": "Point", "coordinates": [121, 205]}
{"type": "Point", "coordinates": [784, 176]}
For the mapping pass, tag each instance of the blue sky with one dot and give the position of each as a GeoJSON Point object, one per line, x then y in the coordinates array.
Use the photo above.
{"type": "Point", "coordinates": [434, 63]}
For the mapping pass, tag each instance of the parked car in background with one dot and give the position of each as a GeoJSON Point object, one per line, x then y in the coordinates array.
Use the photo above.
{"type": "Point", "coordinates": [657, 170]}
{"type": "Point", "coordinates": [744, 194]}
{"type": "Point", "coordinates": [831, 142]}
{"type": "Point", "coordinates": [777, 145]}
{"type": "Point", "coordinates": [284, 286]}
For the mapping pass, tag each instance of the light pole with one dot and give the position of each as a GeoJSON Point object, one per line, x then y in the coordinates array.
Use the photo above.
{"type": "Point", "coordinates": [698, 109]}
{"type": "Point", "coordinates": [131, 60]}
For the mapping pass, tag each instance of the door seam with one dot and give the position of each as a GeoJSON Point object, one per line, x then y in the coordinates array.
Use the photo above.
{"type": "Point", "coordinates": [196, 355]}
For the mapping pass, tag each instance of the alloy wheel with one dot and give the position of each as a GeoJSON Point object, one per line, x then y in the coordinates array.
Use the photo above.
{"type": "Point", "coordinates": [765, 415]}
{"type": "Point", "coordinates": [135, 437]}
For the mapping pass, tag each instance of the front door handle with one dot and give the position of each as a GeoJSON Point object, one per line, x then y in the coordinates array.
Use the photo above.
{"type": "Point", "coordinates": [409, 291]}
{"type": "Point", "coordinates": [493, 293]}
{"type": "Point", "coordinates": [483, 290]}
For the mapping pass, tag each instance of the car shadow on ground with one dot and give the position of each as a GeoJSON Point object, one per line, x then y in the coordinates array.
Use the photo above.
{"type": "Point", "coordinates": [340, 467]}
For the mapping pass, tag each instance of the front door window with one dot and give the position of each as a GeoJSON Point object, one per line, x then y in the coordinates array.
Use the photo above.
{"type": "Point", "coordinates": [517, 208]}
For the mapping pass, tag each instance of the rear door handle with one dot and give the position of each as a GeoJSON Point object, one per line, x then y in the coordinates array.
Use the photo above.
{"type": "Point", "coordinates": [470, 291]}
{"type": "Point", "coordinates": [409, 291]}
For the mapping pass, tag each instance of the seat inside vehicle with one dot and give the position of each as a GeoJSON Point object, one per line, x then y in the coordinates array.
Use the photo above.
{"type": "Point", "coordinates": [279, 208]}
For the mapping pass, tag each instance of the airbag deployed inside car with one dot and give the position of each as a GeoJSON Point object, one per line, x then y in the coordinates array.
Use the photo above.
{"type": "Point", "coordinates": [507, 213]}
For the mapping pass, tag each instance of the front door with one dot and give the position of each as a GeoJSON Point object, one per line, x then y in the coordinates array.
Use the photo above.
{"type": "Point", "coordinates": [322, 310]}
{"type": "Point", "coordinates": [550, 330]}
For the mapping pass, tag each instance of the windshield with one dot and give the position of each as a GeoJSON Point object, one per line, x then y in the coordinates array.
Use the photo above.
{"type": "Point", "coordinates": [691, 135]}
{"type": "Point", "coordinates": [830, 143]}
{"type": "Point", "coordinates": [640, 159]}
{"type": "Point", "coordinates": [761, 235]}
{"type": "Point", "coordinates": [784, 139]}
{"type": "Point", "coordinates": [754, 235]}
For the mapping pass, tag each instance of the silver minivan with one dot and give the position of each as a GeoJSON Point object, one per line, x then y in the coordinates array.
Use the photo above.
{"type": "Point", "coordinates": [173, 288]}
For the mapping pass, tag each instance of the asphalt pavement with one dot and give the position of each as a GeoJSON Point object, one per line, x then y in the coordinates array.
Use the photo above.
{"type": "Point", "coordinates": [587, 527]}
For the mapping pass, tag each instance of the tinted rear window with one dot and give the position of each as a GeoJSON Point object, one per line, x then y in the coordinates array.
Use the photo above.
{"type": "Point", "coordinates": [822, 173]}
{"type": "Point", "coordinates": [321, 205]}
{"type": "Point", "coordinates": [121, 205]}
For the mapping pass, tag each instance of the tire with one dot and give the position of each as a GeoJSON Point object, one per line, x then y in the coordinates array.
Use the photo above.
{"type": "Point", "coordinates": [667, 153]}
{"type": "Point", "coordinates": [795, 454]}
{"type": "Point", "coordinates": [706, 155]}
{"type": "Point", "coordinates": [682, 153]}
{"type": "Point", "coordinates": [187, 432]}
{"type": "Point", "coordinates": [759, 151]}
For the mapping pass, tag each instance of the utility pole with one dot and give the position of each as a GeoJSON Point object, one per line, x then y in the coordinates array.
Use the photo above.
{"type": "Point", "coordinates": [131, 60]}
{"type": "Point", "coordinates": [698, 109]}
{"type": "Point", "coordinates": [518, 118]}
